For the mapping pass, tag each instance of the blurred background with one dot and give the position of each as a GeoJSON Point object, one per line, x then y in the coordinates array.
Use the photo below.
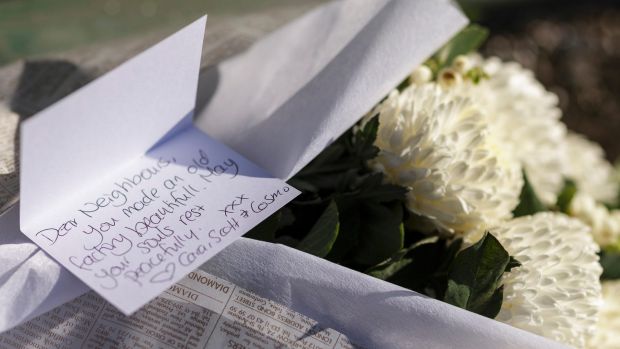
{"type": "Point", "coordinates": [573, 46]}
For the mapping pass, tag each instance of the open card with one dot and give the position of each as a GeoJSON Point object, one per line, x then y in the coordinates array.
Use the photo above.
{"type": "Point", "coordinates": [122, 189]}
{"type": "Point", "coordinates": [107, 170]}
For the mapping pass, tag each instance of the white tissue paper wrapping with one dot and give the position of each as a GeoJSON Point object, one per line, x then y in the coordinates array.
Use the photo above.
{"type": "Point", "coordinates": [280, 104]}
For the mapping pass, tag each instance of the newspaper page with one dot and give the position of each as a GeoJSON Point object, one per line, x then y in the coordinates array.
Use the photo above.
{"type": "Point", "coordinates": [200, 311]}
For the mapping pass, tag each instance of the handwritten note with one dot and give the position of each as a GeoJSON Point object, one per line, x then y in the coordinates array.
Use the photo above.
{"type": "Point", "coordinates": [151, 223]}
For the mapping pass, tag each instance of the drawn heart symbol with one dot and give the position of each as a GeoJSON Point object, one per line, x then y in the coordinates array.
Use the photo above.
{"type": "Point", "coordinates": [165, 275]}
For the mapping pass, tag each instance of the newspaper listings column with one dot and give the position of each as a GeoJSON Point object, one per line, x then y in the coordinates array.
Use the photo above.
{"type": "Point", "coordinates": [182, 317]}
{"type": "Point", "coordinates": [200, 311]}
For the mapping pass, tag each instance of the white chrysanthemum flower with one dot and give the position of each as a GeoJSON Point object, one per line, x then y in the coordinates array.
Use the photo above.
{"type": "Point", "coordinates": [587, 166]}
{"type": "Point", "coordinates": [437, 144]}
{"type": "Point", "coordinates": [605, 224]}
{"type": "Point", "coordinates": [525, 117]}
{"type": "Point", "coordinates": [449, 78]}
{"type": "Point", "coordinates": [556, 291]}
{"type": "Point", "coordinates": [421, 75]}
{"type": "Point", "coordinates": [607, 334]}
{"type": "Point", "coordinates": [463, 63]}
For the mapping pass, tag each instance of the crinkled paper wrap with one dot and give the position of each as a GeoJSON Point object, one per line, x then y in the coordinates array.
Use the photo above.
{"type": "Point", "coordinates": [280, 103]}
{"type": "Point", "coordinates": [371, 312]}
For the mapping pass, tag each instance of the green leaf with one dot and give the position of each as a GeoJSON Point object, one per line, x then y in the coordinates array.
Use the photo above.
{"type": "Point", "coordinates": [491, 308]}
{"type": "Point", "coordinates": [512, 263]}
{"type": "Point", "coordinates": [466, 41]}
{"type": "Point", "coordinates": [368, 134]}
{"type": "Point", "coordinates": [427, 271]}
{"type": "Point", "coordinates": [387, 270]}
{"type": "Point", "coordinates": [528, 201]}
{"type": "Point", "coordinates": [449, 255]}
{"type": "Point", "coordinates": [457, 294]}
{"type": "Point", "coordinates": [610, 261]}
{"type": "Point", "coordinates": [397, 261]}
{"type": "Point", "coordinates": [475, 274]}
{"type": "Point", "coordinates": [323, 234]}
{"type": "Point", "coordinates": [287, 217]}
{"type": "Point", "coordinates": [329, 155]}
{"type": "Point", "coordinates": [566, 195]}
{"type": "Point", "coordinates": [266, 230]}
{"type": "Point", "coordinates": [476, 74]}
{"type": "Point", "coordinates": [364, 139]}
{"type": "Point", "coordinates": [381, 233]}
{"type": "Point", "coordinates": [350, 223]}
{"type": "Point", "coordinates": [372, 188]}
{"type": "Point", "coordinates": [302, 185]}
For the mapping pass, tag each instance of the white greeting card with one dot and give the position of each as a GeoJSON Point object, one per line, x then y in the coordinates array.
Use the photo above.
{"type": "Point", "coordinates": [122, 189]}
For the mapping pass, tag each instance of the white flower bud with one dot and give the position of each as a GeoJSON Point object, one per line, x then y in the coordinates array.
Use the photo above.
{"type": "Point", "coordinates": [462, 64]}
{"type": "Point", "coordinates": [421, 75]}
{"type": "Point", "coordinates": [449, 78]}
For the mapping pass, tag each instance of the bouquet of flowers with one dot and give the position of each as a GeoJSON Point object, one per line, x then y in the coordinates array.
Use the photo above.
{"type": "Point", "coordinates": [464, 184]}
